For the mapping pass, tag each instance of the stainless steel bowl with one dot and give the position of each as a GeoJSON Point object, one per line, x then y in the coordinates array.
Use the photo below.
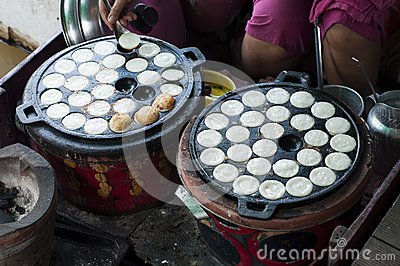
{"type": "Point", "coordinates": [348, 96]}
{"type": "Point", "coordinates": [80, 20]}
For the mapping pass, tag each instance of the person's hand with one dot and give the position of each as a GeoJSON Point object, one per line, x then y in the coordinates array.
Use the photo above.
{"type": "Point", "coordinates": [116, 13]}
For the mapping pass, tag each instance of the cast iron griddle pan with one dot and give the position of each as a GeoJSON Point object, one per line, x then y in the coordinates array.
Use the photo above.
{"type": "Point", "coordinates": [256, 206]}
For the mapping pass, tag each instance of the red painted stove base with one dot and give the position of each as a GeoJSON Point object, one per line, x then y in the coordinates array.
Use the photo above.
{"type": "Point", "coordinates": [111, 188]}
{"type": "Point", "coordinates": [244, 244]}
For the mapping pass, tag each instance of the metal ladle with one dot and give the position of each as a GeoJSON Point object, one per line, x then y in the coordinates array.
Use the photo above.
{"type": "Point", "coordinates": [117, 26]}
{"type": "Point", "coordinates": [360, 65]}
{"type": "Point", "coordinates": [318, 54]}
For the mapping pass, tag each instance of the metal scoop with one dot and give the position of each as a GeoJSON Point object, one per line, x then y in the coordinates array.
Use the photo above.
{"type": "Point", "coordinates": [360, 65]}
{"type": "Point", "coordinates": [117, 26]}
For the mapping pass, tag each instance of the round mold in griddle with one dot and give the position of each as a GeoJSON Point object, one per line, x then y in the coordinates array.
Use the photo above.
{"type": "Point", "coordinates": [126, 85]}
{"type": "Point", "coordinates": [288, 146]}
{"type": "Point", "coordinates": [173, 74]}
{"type": "Point", "coordinates": [290, 143]}
{"type": "Point", "coordinates": [144, 93]}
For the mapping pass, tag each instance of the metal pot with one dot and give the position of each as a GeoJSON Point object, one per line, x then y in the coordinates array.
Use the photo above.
{"type": "Point", "coordinates": [384, 124]}
{"type": "Point", "coordinates": [348, 96]}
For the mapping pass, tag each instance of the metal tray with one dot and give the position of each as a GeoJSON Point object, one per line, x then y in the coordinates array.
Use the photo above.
{"type": "Point", "coordinates": [256, 206]}
{"type": "Point", "coordinates": [32, 111]}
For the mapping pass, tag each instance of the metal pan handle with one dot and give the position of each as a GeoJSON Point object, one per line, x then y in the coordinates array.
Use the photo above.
{"type": "Point", "coordinates": [294, 77]}
{"type": "Point", "coordinates": [28, 113]}
{"type": "Point", "coordinates": [263, 211]}
{"type": "Point", "coordinates": [194, 55]}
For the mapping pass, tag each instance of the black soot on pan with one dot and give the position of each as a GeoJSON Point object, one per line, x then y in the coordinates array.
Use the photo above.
{"type": "Point", "coordinates": [144, 93]}
{"type": "Point", "coordinates": [290, 143]}
{"type": "Point", "coordinates": [125, 85]}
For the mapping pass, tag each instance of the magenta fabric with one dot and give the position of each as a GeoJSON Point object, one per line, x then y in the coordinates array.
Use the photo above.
{"type": "Point", "coordinates": [283, 23]}
{"type": "Point", "coordinates": [365, 11]}
{"type": "Point", "coordinates": [373, 19]}
{"type": "Point", "coordinates": [335, 16]}
{"type": "Point", "coordinates": [287, 23]}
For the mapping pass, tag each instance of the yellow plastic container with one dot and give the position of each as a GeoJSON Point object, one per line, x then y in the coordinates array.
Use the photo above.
{"type": "Point", "coordinates": [219, 83]}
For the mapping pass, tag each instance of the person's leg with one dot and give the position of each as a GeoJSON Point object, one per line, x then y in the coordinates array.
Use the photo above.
{"type": "Point", "coordinates": [345, 37]}
{"type": "Point", "coordinates": [261, 59]}
{"type": "Point", "coordinates": [340, 45]}
{"type": "Point", "coordinates": [277, 35]}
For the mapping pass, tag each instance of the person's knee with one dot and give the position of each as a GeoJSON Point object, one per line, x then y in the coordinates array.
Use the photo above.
{"type": "Point", "coordinates": [340, 45]}
{"type": "Point", "coordinates": [262, 59]}
{"type": "Point", "coordinates": [340, 37]}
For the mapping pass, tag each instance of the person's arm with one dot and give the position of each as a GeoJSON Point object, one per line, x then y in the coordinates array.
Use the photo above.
{"type": "Point", "coordinates": [116, 13]}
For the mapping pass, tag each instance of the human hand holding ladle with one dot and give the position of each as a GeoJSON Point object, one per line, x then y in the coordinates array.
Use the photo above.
{"type": "Point", "coordinates": [111, 13]}
{"type": "Point", "coordinates": [117, 16]}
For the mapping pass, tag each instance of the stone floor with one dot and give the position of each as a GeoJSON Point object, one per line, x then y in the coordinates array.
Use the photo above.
{"type": "Point", "coordinates": [166, 235]}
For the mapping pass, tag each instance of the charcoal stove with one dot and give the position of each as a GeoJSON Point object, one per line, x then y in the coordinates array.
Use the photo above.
{"type": "Point", "coordinates": [91, 166]}
{"type": "Point", "coordinates": [236, 237]}
{"type": "Point", "coordinates": [26, 239]}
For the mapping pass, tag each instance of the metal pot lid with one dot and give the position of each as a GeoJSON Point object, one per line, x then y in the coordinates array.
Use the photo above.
{"type": "Point", "coordinates": [70, 22]}
{"type": "Point", "coordinates": [272, 145]}
{"type": "Point", "coordinates": [80, 21]}
{"type": "Point", "coordinates": [80, 89]}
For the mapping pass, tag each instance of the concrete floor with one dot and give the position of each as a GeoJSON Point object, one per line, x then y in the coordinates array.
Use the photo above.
{"type": "Point", "coordinates": [166, 235]}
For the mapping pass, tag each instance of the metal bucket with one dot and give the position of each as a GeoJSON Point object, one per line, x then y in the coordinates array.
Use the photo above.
{"type": "Point", "coordinates": [348, 96]}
